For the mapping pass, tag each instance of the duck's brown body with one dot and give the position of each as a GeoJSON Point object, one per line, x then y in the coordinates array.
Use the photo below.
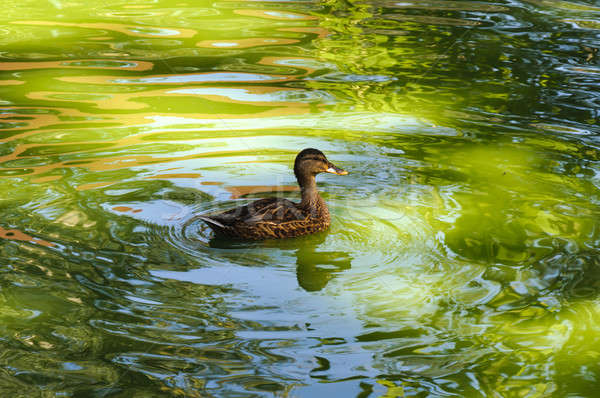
{"type": "Point", "coordinates": [276, 218]}
{"type": "Point", "coordinates": [272, 218]}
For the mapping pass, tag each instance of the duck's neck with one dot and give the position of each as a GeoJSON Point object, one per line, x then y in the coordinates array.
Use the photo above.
{"type": "Point", "coordinates": [312, 203]}
{"type": "Point", "coordinates": [310, 193]}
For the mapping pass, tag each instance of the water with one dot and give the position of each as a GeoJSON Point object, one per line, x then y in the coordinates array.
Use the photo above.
{"type": "Point", "coordinates": [462, 259]}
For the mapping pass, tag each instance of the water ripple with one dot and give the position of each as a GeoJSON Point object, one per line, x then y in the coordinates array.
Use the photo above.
{"type": "Point", "coordinates": [462, 252]}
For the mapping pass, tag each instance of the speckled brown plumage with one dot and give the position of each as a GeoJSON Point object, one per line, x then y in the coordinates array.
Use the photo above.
{"type": "Point", "coordinates": [276, 218]}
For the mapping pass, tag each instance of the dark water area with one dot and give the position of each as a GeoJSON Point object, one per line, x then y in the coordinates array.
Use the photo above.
{"type": "Point", "coordinates": [463, 255]}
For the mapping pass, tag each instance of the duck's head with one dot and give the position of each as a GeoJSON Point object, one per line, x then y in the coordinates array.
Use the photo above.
{"type": "Point", "coordinates": [311, 161]}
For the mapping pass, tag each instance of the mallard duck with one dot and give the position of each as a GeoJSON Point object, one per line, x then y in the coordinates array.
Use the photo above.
{"type": "Point", "coordinates": [276, 218]}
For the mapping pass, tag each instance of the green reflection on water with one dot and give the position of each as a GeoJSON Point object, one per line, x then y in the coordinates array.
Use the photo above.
{"type": "Point", "coordinates": [462, 256]}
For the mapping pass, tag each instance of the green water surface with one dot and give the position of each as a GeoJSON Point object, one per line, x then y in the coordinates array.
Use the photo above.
{"type": "Point", "coordinates": [463, 255]}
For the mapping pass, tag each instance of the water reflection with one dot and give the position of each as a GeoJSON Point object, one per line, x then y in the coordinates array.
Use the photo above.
{"type": "Point", "coordinates": [14, 234]}
{"type": "Point", "coordinates": [108, 64]}
{"type": "Point", "coordinates": [129, 30]}
{"type": "Point", "coordinates": [315, 268]}
{"type": "Point", "coordinates": [245, 43]}
{"type": "Point", "coordinates": [461, 257]}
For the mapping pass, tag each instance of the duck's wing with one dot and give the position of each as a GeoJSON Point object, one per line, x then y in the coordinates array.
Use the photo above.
{"type": "Point", "coordinates": [272, 210]}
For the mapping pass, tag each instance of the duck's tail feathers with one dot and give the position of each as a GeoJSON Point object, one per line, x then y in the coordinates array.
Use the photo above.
{"type": "Point", "coordinates": [211, 221]}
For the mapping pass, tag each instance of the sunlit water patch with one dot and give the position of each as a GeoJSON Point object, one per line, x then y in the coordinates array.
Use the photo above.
{"type": "Point", "coordinates": [462, 255]}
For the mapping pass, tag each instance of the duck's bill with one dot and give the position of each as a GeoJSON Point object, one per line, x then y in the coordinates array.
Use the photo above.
{"type": "Point", "coordinates": [336, 170]}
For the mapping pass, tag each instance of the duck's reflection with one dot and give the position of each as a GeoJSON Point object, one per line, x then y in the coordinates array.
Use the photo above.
{"type": "Point", "coordinates": [315, 268]}
{"type": "Point", "coordinates": [315, 264]}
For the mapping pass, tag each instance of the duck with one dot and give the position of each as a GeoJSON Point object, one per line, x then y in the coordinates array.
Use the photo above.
{"type": "Point", "coordinates": [278, 218]}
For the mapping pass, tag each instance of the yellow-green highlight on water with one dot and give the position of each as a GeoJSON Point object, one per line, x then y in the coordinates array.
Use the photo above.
{"type": "Point", "coordinates": [463, 252]}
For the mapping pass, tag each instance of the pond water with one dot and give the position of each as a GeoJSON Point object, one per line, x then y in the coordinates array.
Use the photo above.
{"type": "Point", "coordinates": [463, 254]}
